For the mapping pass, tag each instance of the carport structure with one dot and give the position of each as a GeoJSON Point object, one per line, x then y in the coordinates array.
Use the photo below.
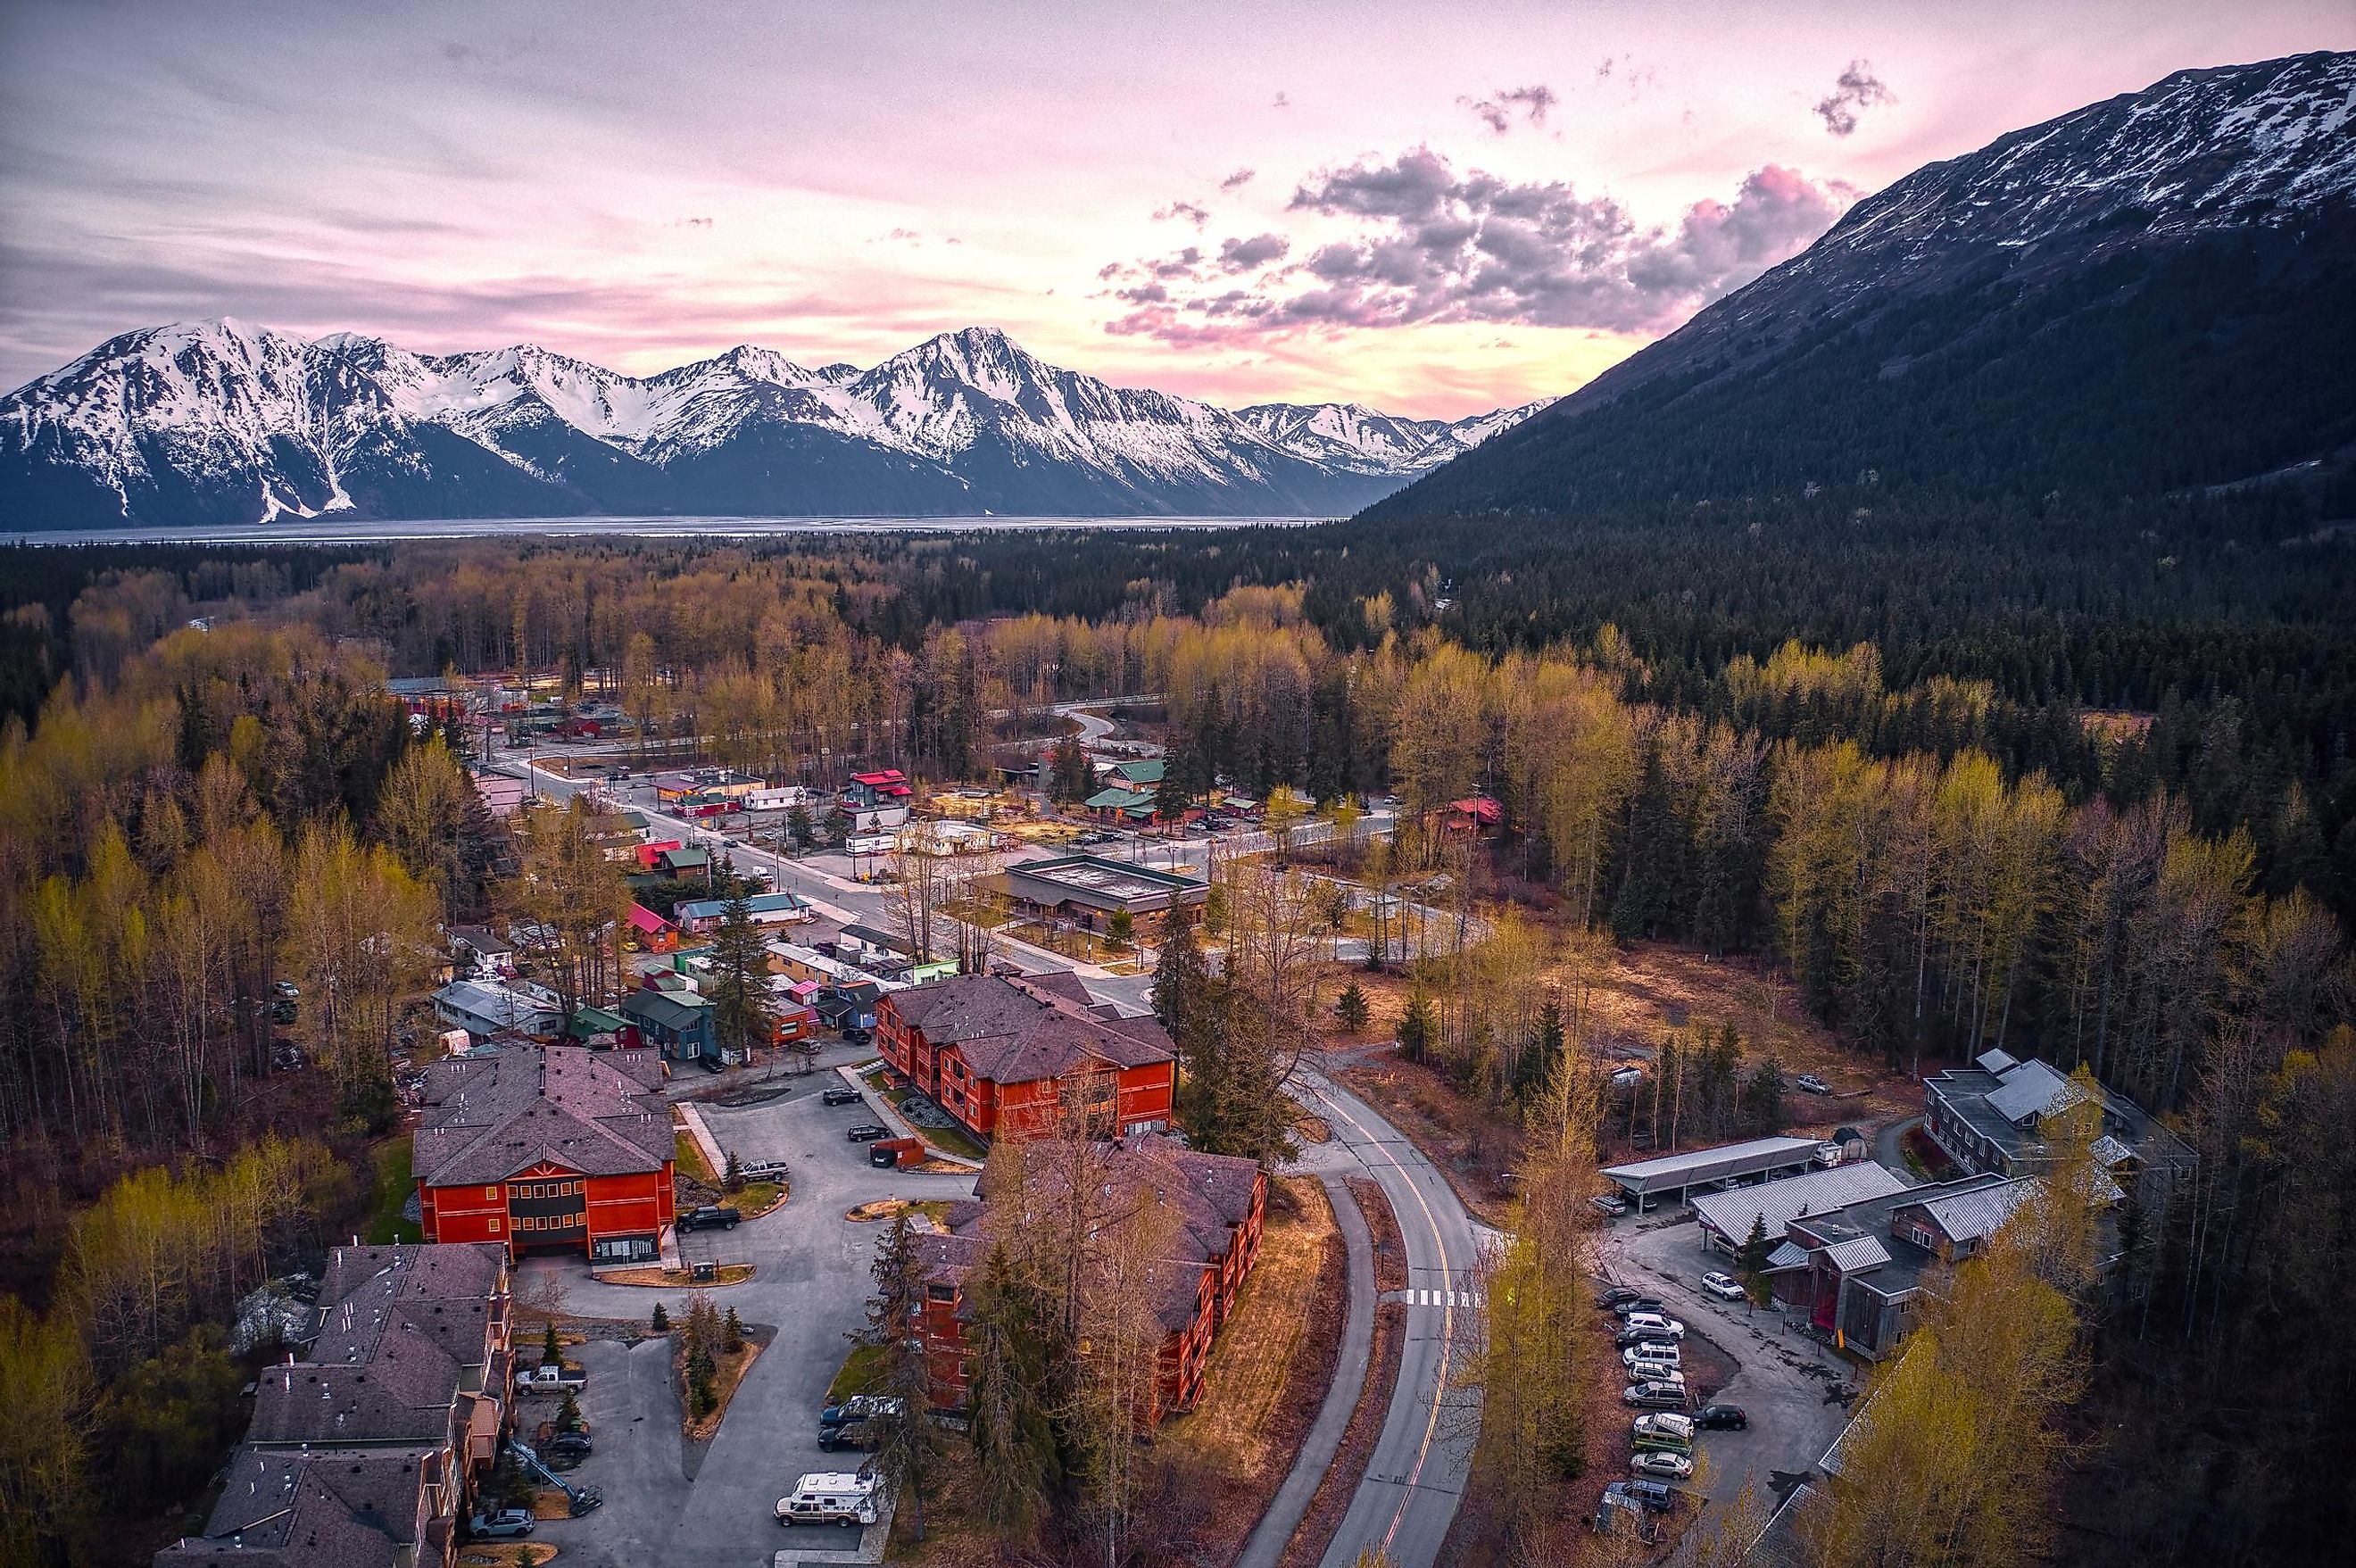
{"type": "Point", "coordinates": [1673, 1176]}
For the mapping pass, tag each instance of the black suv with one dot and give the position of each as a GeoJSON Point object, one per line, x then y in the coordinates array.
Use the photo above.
{"type": "Point", "coordinates": [1617, 1296]}
{"type": "Point", "coordinates": [841, 1096]}
{"type": "Point", "coordinates": [710, 1217]}
{"type": "Point", "coordinates": [868, 1132]}
{"type": "Point", "coordinates": [1723, 1417]}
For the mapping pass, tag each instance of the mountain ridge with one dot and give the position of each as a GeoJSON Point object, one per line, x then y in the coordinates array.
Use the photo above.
{"type": "Point", "coordinates": [222, 420]}
{"type": "Point", "coordinates": [2148, 294]}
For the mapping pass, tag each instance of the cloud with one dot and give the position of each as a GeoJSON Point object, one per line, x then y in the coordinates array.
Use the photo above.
{"type": "Point", "coordinates": [1857, 91]}
{"type": "Point", "coordinates": [1243, 256]}
{"type": "Point", "coordinates": [1426, 244]}
{"type": "Point", "coordinates": [1191, 213]}
{"type": "Point", "coordinates": [1237, 180]}
{"type": "Point", "coordinates": [1498, 110]}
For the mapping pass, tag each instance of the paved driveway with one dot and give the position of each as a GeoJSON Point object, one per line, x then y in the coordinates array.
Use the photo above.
{"type": "Point", "coordinates": [813, 1284]}
{"type": "Point", "coordinates": [1790, 1425]}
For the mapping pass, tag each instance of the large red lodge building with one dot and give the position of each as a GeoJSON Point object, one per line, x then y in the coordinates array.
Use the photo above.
{"type": "Point", "coordinates": [1005, 1055]}
{"type": "Point", "coordinates": [1218, 1202]}
{"type": "Point", "coordinates": [547, 1148]}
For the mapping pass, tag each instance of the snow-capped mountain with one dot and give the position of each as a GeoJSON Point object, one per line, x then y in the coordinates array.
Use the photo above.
{"type": "Point", "coordinates": [2148, 294]}
{"type": "Point", "coordinates": [1350, 437]}
{"type": "Point", "coordinates": [224, 422]}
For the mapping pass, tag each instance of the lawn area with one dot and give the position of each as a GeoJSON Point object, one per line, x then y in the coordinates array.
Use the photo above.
{"type": "Point", "coordinates": [1269, 1367]}
{"type": "Point", "coordinates": [691, 1161]}
{"type": "Point", "coordinates": [860, 1369]}
{"type": "Point", "coordinates": [393, 1184]}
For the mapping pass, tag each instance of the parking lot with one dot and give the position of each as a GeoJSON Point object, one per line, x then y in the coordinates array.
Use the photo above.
{"type": "Point", "coordinates": [715, 1509]}
{"type": "Point", "coordinates": [1783, 1377]}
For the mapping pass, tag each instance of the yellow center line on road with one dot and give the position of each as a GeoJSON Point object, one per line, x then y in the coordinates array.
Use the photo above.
{"type": "Point", "coordinates": [1447, 1322]}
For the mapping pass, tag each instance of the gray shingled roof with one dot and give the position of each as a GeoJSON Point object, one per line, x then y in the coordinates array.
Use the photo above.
{"type": "Point", "coordinates": [2033, 1089]}
{"type": "Point", "coordinates": [488, 1117]}
{"type": "Point", "coordinates": [1018, 1030]}
{"type": "Point", "coordinates": [334, 1509]}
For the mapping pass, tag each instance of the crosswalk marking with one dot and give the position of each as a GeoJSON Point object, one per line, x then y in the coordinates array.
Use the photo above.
{"type": "Point", "coordinates": [1425, 1297]}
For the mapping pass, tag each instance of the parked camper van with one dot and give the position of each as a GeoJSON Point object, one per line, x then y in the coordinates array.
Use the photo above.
{"type": "Point", "coordinates": [830, 1498]}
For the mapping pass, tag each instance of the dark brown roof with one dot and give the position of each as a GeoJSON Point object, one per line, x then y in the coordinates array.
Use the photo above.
{"type": "Point", "coordinates": [489, 1116]}
{"type": "Point", "coordinates": [1015, 1029]}
{"type": "Point", "coordinates": [331, 1508]}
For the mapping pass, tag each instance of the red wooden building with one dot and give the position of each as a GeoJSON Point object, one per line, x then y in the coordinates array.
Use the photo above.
{"type": "Point", "coordinates": [1215, 1204]}
{"type": "Point", "coordinates": [547, 1148]}
{"type": "Point", "coordinates": [1005, 1055]}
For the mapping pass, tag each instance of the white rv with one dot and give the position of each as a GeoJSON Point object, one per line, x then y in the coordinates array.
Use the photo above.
{"type": "Point", "coordinates": [830, 1498]}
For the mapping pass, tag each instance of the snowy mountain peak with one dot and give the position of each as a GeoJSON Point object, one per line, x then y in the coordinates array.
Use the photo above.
{"type": "Point", "coordinates": [227, 419]}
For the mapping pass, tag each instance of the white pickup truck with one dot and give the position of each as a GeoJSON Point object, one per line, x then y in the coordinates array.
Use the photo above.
{"type": "Point", "coordinates": [548, 1377]}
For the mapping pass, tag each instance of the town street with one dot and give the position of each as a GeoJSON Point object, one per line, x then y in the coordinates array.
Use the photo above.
{"type": "Point", "coordinates": [1415, 1475]}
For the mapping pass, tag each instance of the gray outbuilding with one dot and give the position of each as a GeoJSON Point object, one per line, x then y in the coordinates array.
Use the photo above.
{"type": "Point", "coordinates": [1673, 1176]}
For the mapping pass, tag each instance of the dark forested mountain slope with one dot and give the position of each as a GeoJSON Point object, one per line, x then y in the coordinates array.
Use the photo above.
{"type": "Point", "coordinates": [2153, 294]}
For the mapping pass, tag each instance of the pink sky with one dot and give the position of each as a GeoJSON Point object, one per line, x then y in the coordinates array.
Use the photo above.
{"type": "Point", "coordinates": [1448, 207]}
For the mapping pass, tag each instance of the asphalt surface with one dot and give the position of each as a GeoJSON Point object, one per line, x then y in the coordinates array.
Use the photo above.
{"type": "Point", "coordinates": [1415, 1475]}
{"type": "Point", "coordinates": [1781, 1378]}
{"type": "Point", "coordinates": [811, 1283]}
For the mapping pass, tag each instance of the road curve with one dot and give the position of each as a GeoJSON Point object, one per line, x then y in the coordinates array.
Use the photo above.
{"type": "Point", "coordinates": [1415, 1476]}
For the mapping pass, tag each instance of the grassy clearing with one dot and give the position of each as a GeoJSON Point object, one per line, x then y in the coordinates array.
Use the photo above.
{"type": "Point", "coordinates": [858, 1374]}
{"type": "Point", "coordinates": [394, 1183]}
{"type": "Point", "coordinates": [1245, 1385]}
{"type": "Point", "coordinates": [688, 1156]}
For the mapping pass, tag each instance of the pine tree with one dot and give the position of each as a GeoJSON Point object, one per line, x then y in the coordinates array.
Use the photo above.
{"type": "Point", "coordinates": [552, 1349]}
{"type": "Point", "coordinates": [731, 1332]}
{"type": "Point", "coordinates": [1416, 1028]}
{"type": "Point", "coordinates": [899, 1285]}
{"type": "Point", "coordinates": [1013, 1439]}
{"type": "Point", "coordinates": [798, 826]}
{"type": "Point", "coordinates": [1070, 778]}
{"type": "Point", "coordinates": [1349, 1009]}
{"type": "Point", "coordinates": [744, 1013]}
{"type": "Point", "coordinates": [1752, 1262]}
{"type": "Point", "coordinates": [661, 1321]}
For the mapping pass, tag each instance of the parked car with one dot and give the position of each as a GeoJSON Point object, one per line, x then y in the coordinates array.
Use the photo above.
{"type": "Point", "coordinates": [710, 1217]}
{"type": "Point", "coordinates": [896, 1153]}
{"type": "Point", "coordinates": [1654, 1319]}
{"type": "Point", "coordinates": [762, 1170]}
{"type": "Point", "coordinates": [1658, 1465]}
{"type": "Point", "coordinates": [1722, 1418]}
{"type": "Point", "coordinates": [576, 1444]}
{"type": "Point", "coordinates": [1627, 1337]}
{"type": "Point", "coordinates": [500, 1524]}
{"type": "Point", "coordinates": [1809, 1083]}
{"type": "Point", "coordinates": [841, 1096]}
{"type": "Point", "coordinates": [1627, 1305]}
{"type": "Point", "coordinates": [872, 1433]}
{"type": "Point", "coordinates": [1614, 1207]}
{"type": "Point", "coordinates": [553, 1378]}
{"type": "Point", "coordinates": [1617, 1296]}
{"type": "Point", "coordinates": [1664, 1354]}
{"type": "Point", "coordinates": [281, 1011]}
{"type": "Point", "coordinates": [868, 1132]}
{"type": "Point", "coordinates": [1726, 1287]}
{"type": "Point", "coordinates": [1654, 1396]}
{"type": "Point", "coordinates": [712, 1064]}
{"type": "Point", "coordinates": [287, 990]}
{"type": "Point", "coordinates": [859, 1407]}
{"type": "Point", "coordinates": [1658, 1372]}
{"type": "Point", "coordinates": [1651, 1495]}
{"type": "Point", "coordinates": [1663, 1424]}
{"type": "Point", "coordinates": [856, 1035]}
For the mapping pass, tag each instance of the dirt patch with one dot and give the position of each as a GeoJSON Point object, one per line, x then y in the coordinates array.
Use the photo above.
{"type": "Point", "coordinates": [1327, 1508]}
{"type": "Point", "coordinates": [924, 1209]}
{"type": "Point", "coordinates": [730, 1368]}
{"type": "Point", "coordinates": [1390, 1252]}
{"type": "Point", "coordinates": [1269, 1371]}
{"type": "Point", "coordinates": [516, 1555]}
{"type": "Point", "coordinates": [1312, 1129]}
{"type": "Point", "coordinates": [721, 1274]}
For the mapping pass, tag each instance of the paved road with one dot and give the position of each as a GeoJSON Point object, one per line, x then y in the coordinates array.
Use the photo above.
{"type": "Point", "coordinates": [813, 1284]}
{"type": "Point", "coordinates": [1276, 1527]}
{"type": "Point", "coordinates": [1889, 1148]}
{"type": "Point", "coordinates": [1415, 1475]}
